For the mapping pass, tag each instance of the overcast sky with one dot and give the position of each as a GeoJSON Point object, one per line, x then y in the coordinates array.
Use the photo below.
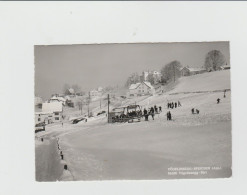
{"type": "Point", "coordinates": [95, 65]}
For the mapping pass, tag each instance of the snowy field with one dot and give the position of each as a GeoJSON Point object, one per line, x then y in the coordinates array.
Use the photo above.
{"type": "Point", "coordinates": [97, 150]}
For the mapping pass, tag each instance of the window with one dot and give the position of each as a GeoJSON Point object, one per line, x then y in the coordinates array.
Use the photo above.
{"type": "Point", "coordinates": [56, 113]}
{"type": "Point", "coordinates": [56, 118]}
{"type": "Point", "coordinates": [38, 119]}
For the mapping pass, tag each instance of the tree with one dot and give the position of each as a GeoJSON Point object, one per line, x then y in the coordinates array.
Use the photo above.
{"type": "Point", "coordinates": [150, 78]}
{"type": "Point", "coordinates": [171, 71]}
{"type": "Point", "coordinates": [134, 78]}
{"type": "Point", "coordinates": [66, 89]}
{"type": "Point", "coordinates": [214, 59]}
{"type": "Point", "coordinates": [76, 88]}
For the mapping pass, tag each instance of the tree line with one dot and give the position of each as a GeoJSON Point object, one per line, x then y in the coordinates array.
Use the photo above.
{"type": "Point", "coordinates": [172, 71]}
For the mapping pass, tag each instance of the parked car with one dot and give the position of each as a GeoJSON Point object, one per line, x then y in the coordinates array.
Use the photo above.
{"type": "Point", "coordinates": [101, 113]}
{"type": "Point", "coordinates": [40, 127]}
{"type": "Point", "coordinates": [78, 120]}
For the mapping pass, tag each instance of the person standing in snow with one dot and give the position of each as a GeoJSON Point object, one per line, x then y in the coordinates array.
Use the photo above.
{"type": "Point", "coordinates": [155, 109]}
{"type": "Point", "coordinates": [175, 104]}
{"type": "Point", "coordinates": [160, 109]}
{"type": "Point", "coordinates": [170, 116]}
{"type": "Point", "coordinates": [152, 112]}
{"type": "Point", "coordinates": [167, 116]}
{"type": "Point", "coordinates": [192, 110]}
{"type": "Point", "coordinates": [218, 100]}
{"type": "Point", "coordinates": [197, 111]}
{"type": "Point", "coordinates": [145, 114]}
{"type": "Point", "coordinates": [179, 104]}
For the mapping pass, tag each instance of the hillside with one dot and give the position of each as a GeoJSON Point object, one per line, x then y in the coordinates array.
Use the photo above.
{"type": "Point", "coordinates": [96, 150]}
{"type": "Point", "coordinates": [210, 81]}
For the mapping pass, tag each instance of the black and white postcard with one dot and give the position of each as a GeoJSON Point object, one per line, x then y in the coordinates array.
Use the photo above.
{"type": "Point", "coordinates": [140, 111]}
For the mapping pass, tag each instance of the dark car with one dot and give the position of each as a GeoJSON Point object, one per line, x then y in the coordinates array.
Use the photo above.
{"type": "Point", "coordinates": [78, 120]}
{"type": "Point", "coordinates": [40, 127]}
{"type": "Point", "coordinates": [101, 113]}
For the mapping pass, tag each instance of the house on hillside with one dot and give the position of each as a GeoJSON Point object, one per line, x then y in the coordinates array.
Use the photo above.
{"type": "Point", "coordinates": [58, 99]}
{"type": "Point", "coordinates": [96, 93]}
{"type": "Point", "coordinates": [186, 71]}
{"type": "Point", "coordinates": [155, 74]}
{"type": "Point", "coordinates": [138, 89]}
{"type": "Point", "coordinates": [52, 112]}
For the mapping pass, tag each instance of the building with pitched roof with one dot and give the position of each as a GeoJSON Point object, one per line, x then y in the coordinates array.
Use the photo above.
{"type": "Point", "coordinates": [143, 88]}
{"type": "Point", "coordinates": [187, 71]}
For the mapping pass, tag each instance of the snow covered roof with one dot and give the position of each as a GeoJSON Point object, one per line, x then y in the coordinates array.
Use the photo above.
{"type": "Point", "coordinates": [67, 97]}
{"type": "Point", "coordinates": [58, 98]}
{"type": "Point", "coordinates": [148, 84]}
{"type": "Point", "coordinates": [52, 107]}
{"type": "Point", "coordinates": [193, 69]}
{"type": "Point", "coordinates": [71, 90]}
{"type": "Point", "coordinates": [134, 86]}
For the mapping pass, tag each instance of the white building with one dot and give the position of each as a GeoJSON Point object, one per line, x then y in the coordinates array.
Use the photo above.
{"type": "Point", "coordinates": [100, 89]}
{"type": "Point", "coordinates": [156, 75]}
{"type": "Point", "coordinates": [138, 89]}
{"type": "Point", "coordinates": [187, 71]}
{"type": "Point", "coordinates": [96, 93]}
{"type": "Point", "coordinates": [57, 99]}
{"type": "Point", "coordinates": [51, 112]}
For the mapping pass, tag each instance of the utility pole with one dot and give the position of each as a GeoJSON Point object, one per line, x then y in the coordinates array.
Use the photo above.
{"type": "Point", "coordinates": [174, 72]}
{"type": "Point", "coordinates": [108, 101]}
{"type": "Point", "coordinates": [100, 102]}
{"type": "Point", "coordinates": [88, 102]}
{"type": "Point", "coordinates": [81, 107]}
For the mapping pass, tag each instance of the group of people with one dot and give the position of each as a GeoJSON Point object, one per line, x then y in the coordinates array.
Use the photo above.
{"type": "Point", "coordinates": [151, 111]}
{"type": "Point", "coordinates": [173, 104]}
{"type": "Point", "coordinates": [195, 111]}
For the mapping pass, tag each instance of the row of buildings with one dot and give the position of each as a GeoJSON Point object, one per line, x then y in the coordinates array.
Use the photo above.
{"type": "Point", "coordinates": [187, 71]}
{"type": "Point", "coordinates": [146, 88]}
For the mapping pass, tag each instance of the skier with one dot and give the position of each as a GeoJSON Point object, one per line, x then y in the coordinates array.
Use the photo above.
{"type": "Point", "coordinates": [179, 104]}
{"type": "Point", "coordinates": [172, 105]}
{"type": "Point", "coordinates": [167, 115]}
{"type": "Point", "coordinates": [175, 104]}
{"type": "Point", "coordinates": [218, 100]}
{"type": "Point", "coordinates": [160, 109]}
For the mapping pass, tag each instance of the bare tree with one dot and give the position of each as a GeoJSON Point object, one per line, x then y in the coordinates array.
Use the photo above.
{"type": "Point", "coordinates": [134, 78]}
{"type": "Point", "coordinates": [151, 78]}
{"type": "Point", "coordinates": [66, 89]}
{"type": "Point", "coordinates": [214, 59]}
{"type": "Point", "coordinates": [171, 71]}
{"type": "Point", "coordinates": [76, 88]}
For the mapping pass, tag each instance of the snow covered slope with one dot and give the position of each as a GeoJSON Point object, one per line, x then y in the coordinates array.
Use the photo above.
{"type": "Point", "coordinates": [209, 81]}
